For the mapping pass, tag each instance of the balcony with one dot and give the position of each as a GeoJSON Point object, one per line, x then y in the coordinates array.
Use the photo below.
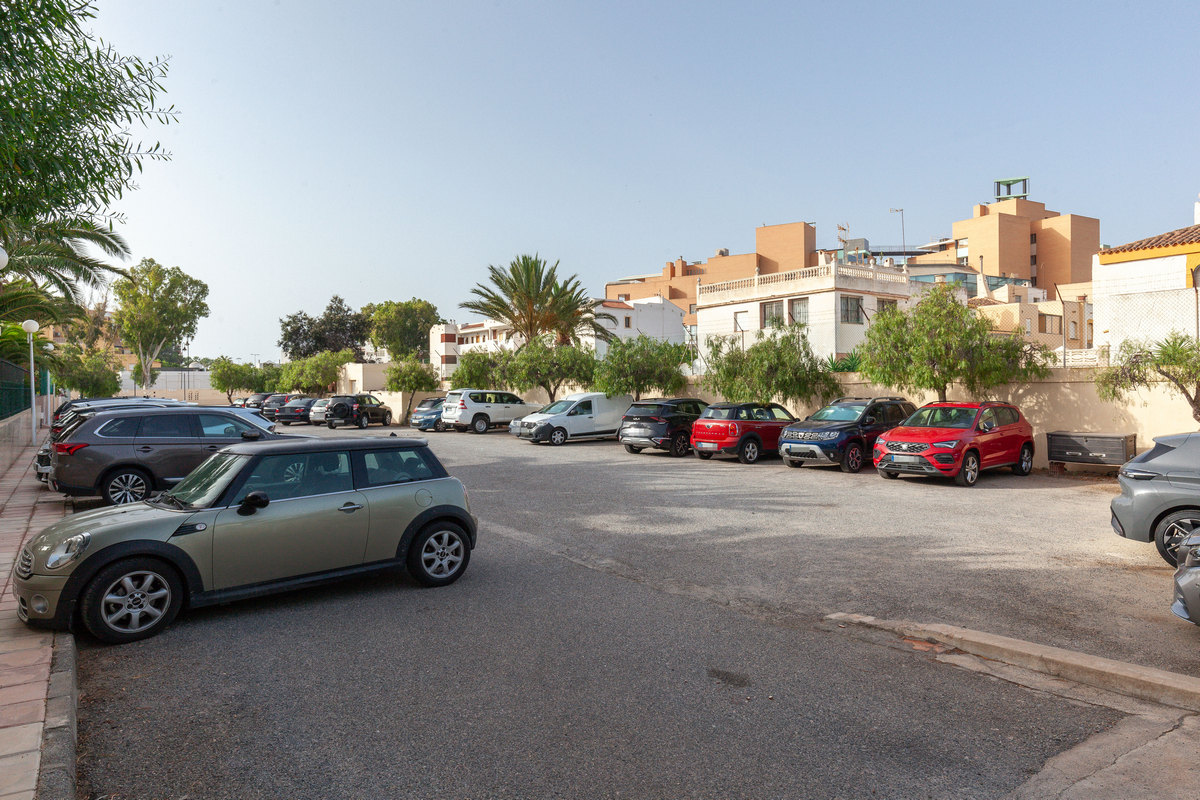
{"type": "Point", "coordinates": [876, 279]}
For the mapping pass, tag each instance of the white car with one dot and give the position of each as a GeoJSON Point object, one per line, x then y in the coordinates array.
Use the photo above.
{"type": "Point", "coordinates": [480, 409]}
{"type": "Point", "coordinates": [316, 414]}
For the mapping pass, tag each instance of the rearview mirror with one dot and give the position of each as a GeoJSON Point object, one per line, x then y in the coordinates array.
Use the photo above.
{"type": "Point", "coordinates": [253, 502]}
{"type": "Point", "coordinates": [251, 435]}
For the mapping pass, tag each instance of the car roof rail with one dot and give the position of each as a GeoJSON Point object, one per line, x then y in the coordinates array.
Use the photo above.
{"type": "Point", "coordinates": [847, 399]}
{"type": "Point", "coordinates": [889, 398]}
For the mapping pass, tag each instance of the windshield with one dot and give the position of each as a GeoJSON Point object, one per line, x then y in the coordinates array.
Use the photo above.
{"type": "Point", "coordinates": [556, 407]}
{"type": "Point", "coordinates": [299, 402]}
{"type": "Point", "coordinates": [840, 412]}
{"type": "Point", "coordinates": [321, 403]}
{"type": "Point", "coordinates": [205, 483]}
{"type": "Point", "coordinates": [941, 417]}
{"type": "Point", "coordinates": [430, 402]}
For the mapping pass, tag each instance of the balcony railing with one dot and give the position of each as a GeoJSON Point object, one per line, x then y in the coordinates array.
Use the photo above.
{"type": "Point", "coordinates": [826, 273]}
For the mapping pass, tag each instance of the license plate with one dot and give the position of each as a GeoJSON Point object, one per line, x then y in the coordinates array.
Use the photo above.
{"type": "Point", "coordinates": [706, 445]}
{"type": "Point", "coordinates": [909, 459]}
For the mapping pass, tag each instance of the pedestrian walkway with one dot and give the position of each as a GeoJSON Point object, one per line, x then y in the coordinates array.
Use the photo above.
{"type": "Point", "coordinates": [25, 653]}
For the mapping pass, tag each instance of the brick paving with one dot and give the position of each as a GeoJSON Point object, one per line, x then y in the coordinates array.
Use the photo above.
{"type": "Point", "coordinates": [25, 653]}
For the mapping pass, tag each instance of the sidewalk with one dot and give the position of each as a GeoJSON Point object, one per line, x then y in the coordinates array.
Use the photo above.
{"type": "Point", "coordinates": [25, 653]}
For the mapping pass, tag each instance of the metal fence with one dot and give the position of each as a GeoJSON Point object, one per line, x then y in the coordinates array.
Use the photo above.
{"type": "Point", "coordinates": [14, 389]}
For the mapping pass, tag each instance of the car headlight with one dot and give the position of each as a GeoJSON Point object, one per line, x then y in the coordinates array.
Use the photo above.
{"type": "Point", "coordinates": [949, 445]}
{"type": "Point", "coordinates": [68, 550]}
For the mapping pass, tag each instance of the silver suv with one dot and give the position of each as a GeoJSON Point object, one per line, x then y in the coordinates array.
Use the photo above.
{"type": "Point", "coordinates": [481, 409]}
{"type": "Point", "coordinates": [126, 455]}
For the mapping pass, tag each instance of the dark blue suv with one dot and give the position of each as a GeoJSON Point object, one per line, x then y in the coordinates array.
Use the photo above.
{"type": "Point", "coordinates": [842, 432]}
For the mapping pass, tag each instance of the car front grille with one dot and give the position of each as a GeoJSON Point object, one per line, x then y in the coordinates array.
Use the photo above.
{"type": "Point", "coordinates": [907, 447]}
{"type": "Point", "coordinates": [804, 436]}
{"type": "Point", "coordinates": [24, 563]}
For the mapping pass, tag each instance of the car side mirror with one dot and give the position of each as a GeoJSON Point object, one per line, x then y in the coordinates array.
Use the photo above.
{"type": "Point", "coordinates": [869, 421]}
{"type": "Point", "coordinates": [986, 426]}
{"type": "Point", "coordinates": [251, 436]}
{"type": "Point", "coordinates": [253, 502]}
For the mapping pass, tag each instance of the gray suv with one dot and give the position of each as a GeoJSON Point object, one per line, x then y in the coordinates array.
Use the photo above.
{"type": "Point", "coordinates": [1160, 494]}
{"type": "Point", "coordinates": [126, 455]}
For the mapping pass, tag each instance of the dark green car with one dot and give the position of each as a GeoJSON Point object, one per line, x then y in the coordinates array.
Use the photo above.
{"type": "Point", "coordinates": [254, 518]}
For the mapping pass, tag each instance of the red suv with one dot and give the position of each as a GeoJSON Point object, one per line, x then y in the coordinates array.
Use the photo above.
{"type": "Point", "coordinates": [957, 440]}
{"type": "Point", "coordinates": [747, 429]}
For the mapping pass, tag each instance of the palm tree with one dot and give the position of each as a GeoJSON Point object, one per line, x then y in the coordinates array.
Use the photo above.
{"type": "Point", "coordinates": [54, 253]}
{"type": "Point", "coordinates": [23, 300]}
{"type": "Point", "coordinates": [574, 314]}
{"type": "Point", "coordinates": [520, 296]}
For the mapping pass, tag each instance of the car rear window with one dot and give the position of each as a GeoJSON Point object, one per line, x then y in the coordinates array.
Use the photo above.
{"type": "Point", "coordinates": [646, 410]}
{"type": "Point", "coordinates": [401, 465]}
{"type": "Point", "coordinates": [299, 402]}
{"type": "Point", "coordinates": [718, 412]}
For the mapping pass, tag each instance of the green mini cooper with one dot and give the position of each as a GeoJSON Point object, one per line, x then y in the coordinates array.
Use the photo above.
{"type": "Point", "coordinates": [254, 518]}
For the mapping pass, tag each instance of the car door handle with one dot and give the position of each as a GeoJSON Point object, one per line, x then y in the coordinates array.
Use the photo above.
{"type": "Point", "coordinates": [214, 447]}
{"type": "Point", "coordinates": [145, 449]}
{"type": "Point", "coordinates": [350, 508]}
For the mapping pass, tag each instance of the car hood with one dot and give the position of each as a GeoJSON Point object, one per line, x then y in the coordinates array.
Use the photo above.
{"type": "Point", "coordinates": [536, 418]}
{"type": "Point", "coordinates": [151, 522]}
{"type": "Point", "coordinates": [819, 425]}
{"type": "Point", "coordinates": [925, 434]}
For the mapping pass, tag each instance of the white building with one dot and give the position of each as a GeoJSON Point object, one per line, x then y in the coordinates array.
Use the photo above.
{"type": "Point", "coordinates": [654, 317]}
{"type": "Point", "coordinates": [837, 301]}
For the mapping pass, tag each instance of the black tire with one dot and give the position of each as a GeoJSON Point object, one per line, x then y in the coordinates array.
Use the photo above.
{"type": "Point", "coordinates": [439, 554]}
{"type": "Point", "coordinates": [794, 463]}
{"type": "Point", "coordinates": [631, 449]}
{"type": "Point", "coordinates": [113, 603]}
{"type": "Point", "coordinates": [679, 445]}
{"type": "Point", "coordinates": [387, 419]}
{"type": "Point", "coordinates": [285, 423]}
{"type": "Point", "coordinates": [1173, 529]}
{"type": "Point", "coordinates": [1024, 466]}
{"type": "Point", "coordinates": [749, 451]}
{"type": "Point", "coordinates": [968, 473]}
{"type": "Point", "coordinates": [480, 424]}
{"type": "Point", "coordinates": [126, 485]}
{"type": "Point", "coordinates": [363, 420]}
{"type": "Point", "coordinates": [852, 459]}
{"type": "Point", "coordinates": [558, 436]}
{"type": "Point", "coordinates": [889, 474]}
{"type": "Point", "coordinates": [704, 456]}
{"type": "Point", "coordinates": [330, 424]}
{"type": "Point", "coordinates": [439, 426]}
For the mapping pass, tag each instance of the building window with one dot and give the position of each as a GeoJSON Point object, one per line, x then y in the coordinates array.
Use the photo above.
{"type": "Point", "coordinates": [739, 320]}
{"type": "Point", "coordinates": [1074, 330]}
{"type": "Point", "coordinates": [852, 310]}
{"type": "Point", "coordinates": [771, 314]}
{"type": "Point", "coordinates": [1028, 326]}
{"type": "Point", "coordinates": [622, 297]}
{"type": "Point", "coordinates": [798, 310]}
{"type": "Point", "coordinates": [692, 308]}
{"type": "Point", "coordinates": [628, 322]}
{"type": "Point", "coordinates": [1033, 238]}
{"type": "Point", "coordinates": [882, 305]}
{"type": "Point", "coordinates": [1033, 261]}
{"type": "Point", "coordinates": [1049, 323]}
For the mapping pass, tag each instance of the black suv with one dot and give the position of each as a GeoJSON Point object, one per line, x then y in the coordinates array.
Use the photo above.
{"type": "Point", "coordinates": [257, 400]}
{"type": "Point", "coordinates": [356, 409]}
{"type": "Point", "coordinates": [660, 423]}
{"type": "Point", "coordinates": [842, 432]}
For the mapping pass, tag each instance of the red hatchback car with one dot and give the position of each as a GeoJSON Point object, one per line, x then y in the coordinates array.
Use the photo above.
{"type": "Point", "coordinates": [957, 440]}
{"type": "Point", "coordinates": [745, 429]}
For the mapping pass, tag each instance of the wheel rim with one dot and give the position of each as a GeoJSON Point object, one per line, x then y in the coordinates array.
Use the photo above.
{"type": "Point", "coordinates": [134, 602]}
{"type": "Point", "coordinates": [751, 451]}
{"type": "Point", "coordinates": [971, 469]}
{"type": "Point", "coordinates": [558, 437]}
{"type": "Point", "coordinates": [1026, 459]}
{"type": "Point", "coordinates": [681, 446]}
{"type": "Point", "coordinates": [442, 554]}
{"type": "Point", "coordinates": [439, 426]}
{"type": "Point", "coordinates": [480, 425]}
{"type": "Point", "coordinates": [1177, 531]}
{"type": "Point", "coordinates": [293, 472]}
{"type": "Point", "coordinates": [128, 487]}
{"type": "Point", "coordinates": [854, 458]}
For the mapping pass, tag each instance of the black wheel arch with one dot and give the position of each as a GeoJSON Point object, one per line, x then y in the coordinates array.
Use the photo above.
{"type": "Point", "coordinates": [433, 514]}
{"type": "Point", "coordinates": [1159, 518]}
{"type": "Point", "coordinates": [166, 552]}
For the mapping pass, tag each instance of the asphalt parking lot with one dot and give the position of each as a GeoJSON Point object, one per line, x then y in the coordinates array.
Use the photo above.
{"type": "Point", "coordinates": [643, 626]}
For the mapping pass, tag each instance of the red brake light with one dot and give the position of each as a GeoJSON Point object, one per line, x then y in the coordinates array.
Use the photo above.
{"type": "Point", "coordinates": [657, 419]}
{"type": "Point", "coordinates": [67, 449]}
{"type": "Point", "coordinates": [355, 406]}
{"type": "Point", "coordinates": [733, 429]}
{"type": "Point", "coordinates": [462, 402]}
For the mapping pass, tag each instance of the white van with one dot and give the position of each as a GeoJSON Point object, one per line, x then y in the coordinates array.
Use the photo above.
{"type": "Point", "coordinates": [586, 415]}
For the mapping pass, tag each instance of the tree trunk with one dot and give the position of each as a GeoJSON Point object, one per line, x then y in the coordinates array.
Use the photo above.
{"type": "Point", "coordinates": [407, 409]}
{"type": "Point", "coordinates": [942, 393]}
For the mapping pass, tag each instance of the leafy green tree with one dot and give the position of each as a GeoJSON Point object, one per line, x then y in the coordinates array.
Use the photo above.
{"type": "Point", "coordinates": [22, 300]}
{"type": "Point", "coordinates": [92, 373]}
{"type": "Point", "coordinates": [264, 378]}
{"type": "Point", "coordinates": [780, 364]}
{"type": "Point", "coordinates": [635, 366]}
{"type": "Point", "coordinates": [403, 327]}
{"type": "Point", "coordinates": [1141, 364]}
{"type": "Point", "coordinates": [939, 342]}
{"type": "Point", "coordinates": [14, 346]}
{"type": "Point", "coordinates": [158, 306]}
{"type": "Point", "coordinates": [314, 374]}
{"type": "Point", "coordinates": [410, 376]}
{"type": "Point", "coordinates": [478, 369]}
{"type": "Point", "coordinates": [549, 367]}
{"type": "Point", "coordinates": [226, 375]}
{"type": "Point", "coordinates": [56, 254]}
{"type": "Point", "coordinates": [727, 370]}
{"type": "Point", "coordinates": [339, 327]}
{"type": "Point", "coordinates": [71, 103]}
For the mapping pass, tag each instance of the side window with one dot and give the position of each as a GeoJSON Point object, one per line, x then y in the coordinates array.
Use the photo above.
{"type": "Point", "coordinates": [300, 475]}
{"type": "Point", "coordinates": [988, 417]}
{"type": "Point", "coordinates": [383, 467]}
{"type": "Point", "coordinates": [512, 398]}
{"type": "Point", "coordinates": [781, 413]}
{"type": "Point", "coordinates": [894, 414]}
{"type": "Point", "coordinates": [761, 414]}
{"type": "Point", "coordinates": [477, 397]}
{"type": "Point", "coordinates": [875, 411]}
{"type": "Point", "coordinates": [1007, 416]}
{"type": "Point", "coordinates": [491, 398]}
{"type": "Point", "coordinates": [166, 426]}
{"type": "Point", "coordinates": [120, 427]}
{"type": "Point", "coordinates": [220, 426]}
{"type": "Point", "coordinates": [743, 413]}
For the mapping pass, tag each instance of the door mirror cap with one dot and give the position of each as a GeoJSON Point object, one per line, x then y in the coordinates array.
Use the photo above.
{"type": "Point", "coordinates": [251, 436]}
{"type": "Point", "coordinates": [869, 421]}
{"type": "Point", "coordinates": [254, 501]}
{"type": "Point", "coordinates": [986, 426]}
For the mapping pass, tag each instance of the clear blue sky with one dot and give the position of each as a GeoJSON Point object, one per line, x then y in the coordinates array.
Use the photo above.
{"type": "Point", "coordinates": [385, 150]}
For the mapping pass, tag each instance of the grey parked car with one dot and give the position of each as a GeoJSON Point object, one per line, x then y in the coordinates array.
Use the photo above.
{"type": "Point", "coordinates": [1187, 580]}
{"type": "Point", "coordinates": [1160, 494]}
{"type": "Point", "coordinates": [126, 455]}
{"type": "Point", "coordinates": [252, 519]}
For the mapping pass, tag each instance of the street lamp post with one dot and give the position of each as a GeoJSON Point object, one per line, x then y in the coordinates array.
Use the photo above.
{"type": "Point", "coordinates": [903, 241]}
{"type": "Point", "coordinates": [30, 326]}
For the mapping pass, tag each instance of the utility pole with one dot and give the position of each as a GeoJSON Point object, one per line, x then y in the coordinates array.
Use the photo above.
{"type": "Point", "coordinates": [903, 241]}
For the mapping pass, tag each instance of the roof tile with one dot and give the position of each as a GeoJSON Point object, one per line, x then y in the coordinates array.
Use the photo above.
{"type": "Point", "coordinates": [1189, 235]}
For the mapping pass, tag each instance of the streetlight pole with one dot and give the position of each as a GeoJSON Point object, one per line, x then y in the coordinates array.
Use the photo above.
{"type": "Point", "coordinates": [30, 326]}
{"type": "Point", "coordinates": [903, 241]}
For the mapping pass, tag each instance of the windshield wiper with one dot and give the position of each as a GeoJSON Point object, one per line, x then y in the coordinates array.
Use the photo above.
{"type": "Point", "coordinates": [168, 496]}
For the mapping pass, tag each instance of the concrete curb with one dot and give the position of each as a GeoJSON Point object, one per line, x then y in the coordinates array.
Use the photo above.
{"type": "Point", "coordinates": [56, 777]}
{"type": "Point", "coordinates": [1145, 683]}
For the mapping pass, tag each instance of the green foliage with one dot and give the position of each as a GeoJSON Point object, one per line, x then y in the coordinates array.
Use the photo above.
{"type": "Point", "coordinates": [264, 378]}
{"type": "Point", "coordinates": [225, 375]}
{"type": "Point", "coordinates": [403, 327]}
{"type": "Point", "coordinates": [1140, 364]}
{"type": "Point", "coordinates": [548, 367]}
{"type": "Point", "coordinates": [939, 342]}
{"type": "Point", "coordinates": [14, 346]}
{"type": "Point", "coordinates": [55, 254]}
{"type": "Point", "coordinates": [22, 300]}
{"type": "Point", "coordinates": [635, 366]}
{"type": "Point", "coordinates": [478, 369]}
{"type": "Point", "coordinates": [780, 364]}
{"type": "Point", "coordinates": [851, 362]}
{"type": "Point", "coordinates": [409, 376]}
{"type": "Point", "coordinates": [91, 372]}
{"type": "Point", "coordinates": [158, 306]}
{"type": "Point", "coordinates": [338, 328]}
{"type": "Point", "coordinates": [314, 374]}
{"type": "Point", "coordinates": [71, 102]}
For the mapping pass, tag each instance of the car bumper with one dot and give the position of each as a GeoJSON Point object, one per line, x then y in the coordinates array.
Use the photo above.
{"type": "Point", "coordinates": [922, 464]}
{"type": "Point", "coordinates": [1187, 594]}
{"type": "Point", "coordinates": [424, 423]}
{"type": "Point", "coordinates": [72, 491]}
{"type": "Point", "coordinates": [38, 600]}
{"type": "Point", "coordinates": [645, 441]}
{"type": "Point", "coordinates": [715, 447]}
{"type": "Point", "coordinates": [809, 451]}
{"type": "Point", "coordinates": [532, 434]}
{"type": "Point", "coordinates": [1126, 522]}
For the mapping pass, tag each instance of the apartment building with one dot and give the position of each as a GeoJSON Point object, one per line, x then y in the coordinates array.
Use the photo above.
{"type": "Point", "coordinates": [1056, 323]}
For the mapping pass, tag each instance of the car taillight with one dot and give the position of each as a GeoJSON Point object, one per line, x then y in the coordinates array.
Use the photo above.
{"type": "Point", "coordinates": [657, 419]}
{"type": "Point", "coordinates": [462, 402]}
{"type": "Point", "coordinates": [355, 406]}
{"type": "Point", "coordinates": [733, 429]}
{"type": "Point", "coordinates": [67, 449]}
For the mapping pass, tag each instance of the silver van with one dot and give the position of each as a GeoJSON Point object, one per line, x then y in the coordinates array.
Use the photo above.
{"type": "Point", "coordinates": [584, 415]}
